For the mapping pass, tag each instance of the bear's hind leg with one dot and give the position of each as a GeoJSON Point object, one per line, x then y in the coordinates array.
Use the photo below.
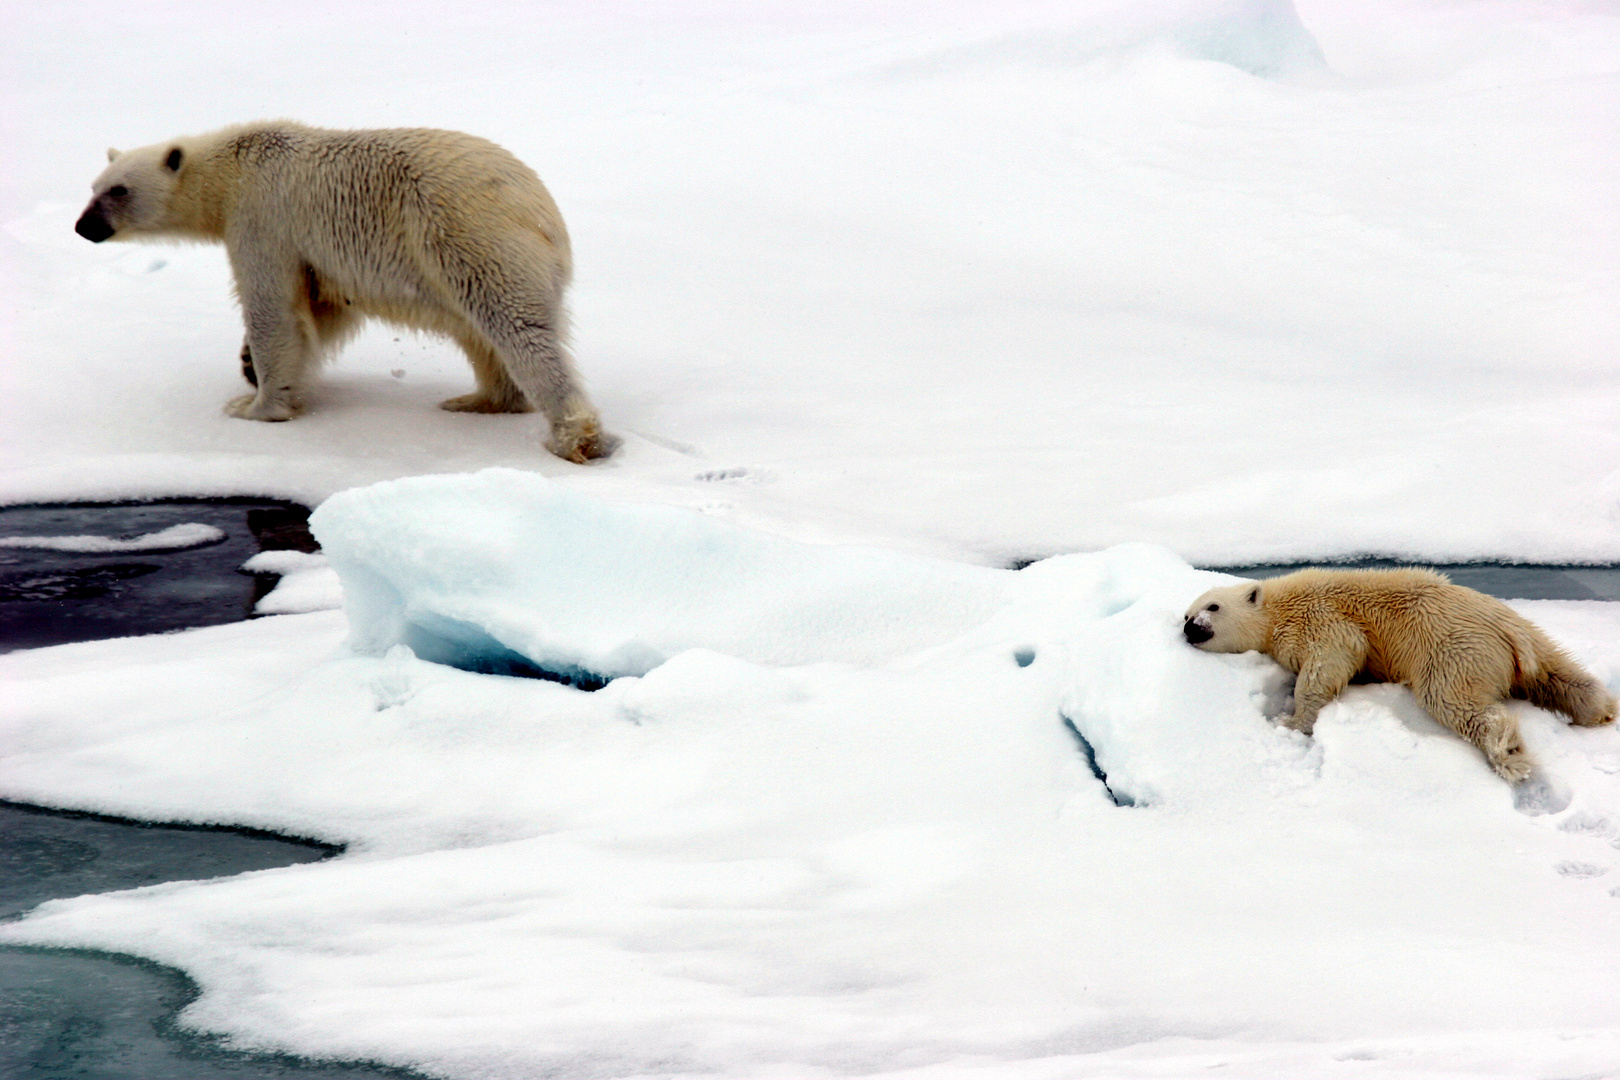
{"type": "Point", "coordinates": [496, 392]}
{"type": "Point", "coordinates": [521, 314]}
{"type": "Point", "coordinates": [1483, 722]}
{"type": "Point", "coordinates": [538, 362]}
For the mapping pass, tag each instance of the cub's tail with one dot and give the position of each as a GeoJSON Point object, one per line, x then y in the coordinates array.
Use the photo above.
{"type": "Point", "coordinates": [1551, 680]}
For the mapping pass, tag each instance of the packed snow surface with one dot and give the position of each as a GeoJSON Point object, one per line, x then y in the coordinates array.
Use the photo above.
{"type": "Point", "coordinates": [882, 297]}
{"type": "Point", "coordinates": [175, 537]}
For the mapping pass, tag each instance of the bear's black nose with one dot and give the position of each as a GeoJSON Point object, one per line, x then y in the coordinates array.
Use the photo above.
{"type": "Point", "coordinates": [1196, 634]}
{"type": "Point", "coordinates": [93, 227]}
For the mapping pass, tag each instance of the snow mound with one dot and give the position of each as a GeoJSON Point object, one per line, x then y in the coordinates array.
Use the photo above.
{"type": "Point", "coordinates": [506, 572]}
{"type": "Point", "coordinates": [174, 538]}
{"type": "Point", "coordinates": [504, 568]}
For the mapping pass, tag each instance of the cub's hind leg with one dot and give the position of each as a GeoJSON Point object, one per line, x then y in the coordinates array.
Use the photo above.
{"type": "Point", "coordinates": [1480, 718]}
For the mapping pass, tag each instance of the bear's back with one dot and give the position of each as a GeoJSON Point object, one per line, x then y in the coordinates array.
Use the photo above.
{"type": "Point", "coordinates": [427, 174]}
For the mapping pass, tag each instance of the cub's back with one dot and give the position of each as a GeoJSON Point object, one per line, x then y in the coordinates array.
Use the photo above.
{"type": "Point", "coordinates": [1406, 614]}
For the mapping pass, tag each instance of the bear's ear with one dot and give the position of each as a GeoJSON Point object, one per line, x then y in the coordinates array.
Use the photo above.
{"type": "Point", "coordinates": [172, 162]}
{"type": "Point", "coordinates": [112, 154]}
{"type": "Point", "coordinates": [1254, 596]}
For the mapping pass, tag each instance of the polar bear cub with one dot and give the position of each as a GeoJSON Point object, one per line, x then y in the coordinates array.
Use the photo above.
{"type": "Point", "coordinates": [1461, 652]}
{"type": "Point", "coordinates": [431, 230]}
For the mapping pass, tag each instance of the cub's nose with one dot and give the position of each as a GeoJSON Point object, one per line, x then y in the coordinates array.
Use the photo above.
{"type": "Point", "coordinates": [1196, 635]}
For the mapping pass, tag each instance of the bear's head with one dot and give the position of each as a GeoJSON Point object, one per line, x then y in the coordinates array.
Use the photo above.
{"type": "Point", "coordinates": [132, 194]}
{"type": "Point", "coordinates": [1231, 618]}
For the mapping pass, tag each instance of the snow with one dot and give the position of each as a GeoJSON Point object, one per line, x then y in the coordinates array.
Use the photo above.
{"type": "Point", "coordinates": [305, 583]}
{"type": "Point", "coordinates": [506, 561]}
{"type": "Point", "coordinates": [883, 297]}
{"type": "Point", "coordinates": [174, 538]}
{"type": "Point", "coordinates": [833, 864]}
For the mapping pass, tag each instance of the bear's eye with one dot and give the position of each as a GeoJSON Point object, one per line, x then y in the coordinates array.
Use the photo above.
{"type": "Point", "coordinates": [1214, 607]}
{"type": "Point", "coordinates": [118, 191]}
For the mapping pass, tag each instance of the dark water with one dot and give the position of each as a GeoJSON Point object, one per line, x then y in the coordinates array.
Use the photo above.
{"type": "Point", "coordinates": [54, 597]}
{"type": "Point", "coordinates": [96, 1016]}
{"type": "Point", "coordinates": [1509, 581]}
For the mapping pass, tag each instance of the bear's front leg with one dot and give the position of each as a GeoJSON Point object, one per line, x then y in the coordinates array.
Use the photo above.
{"type": "Point", "coordinates": [278, 346]}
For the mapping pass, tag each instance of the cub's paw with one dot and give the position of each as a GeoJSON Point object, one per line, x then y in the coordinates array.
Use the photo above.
{"type": "Point", "coordinates": [1294, 723]}
{"type": "Point", "coordinates": [1513, 767]}
{"type": "Point", "coordinates": [1603, 714]}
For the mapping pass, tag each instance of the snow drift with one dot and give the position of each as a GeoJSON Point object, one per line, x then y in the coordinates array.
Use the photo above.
{"type": "Point", "coordinates": [472, 570]}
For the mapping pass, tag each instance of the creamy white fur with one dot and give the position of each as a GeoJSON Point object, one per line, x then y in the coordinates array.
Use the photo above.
{"type": "Point", "coordinates": [432, 230]}
{"type": "Point", "coordinates": [1460, 651]}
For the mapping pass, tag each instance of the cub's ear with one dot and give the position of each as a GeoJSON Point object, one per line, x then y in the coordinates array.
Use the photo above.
{"type": "Point", "coordinates": [1253, 599]}
{"type": "Point", "coordinates": [172, 162]}
{"type": "Point", "coordinates": [112, 154]}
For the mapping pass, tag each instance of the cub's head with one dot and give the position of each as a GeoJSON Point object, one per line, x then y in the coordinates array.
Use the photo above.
{"type": "Point", "coordinates": [1231, 618]}
{"type": "Point", "coordinates": [132, 194]}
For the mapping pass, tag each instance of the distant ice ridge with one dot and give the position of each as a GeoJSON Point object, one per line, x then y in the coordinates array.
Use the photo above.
{"type": "Point", "coordinates": [174, 538]}
{"type": "Point", "coordinates": [1262, 37]}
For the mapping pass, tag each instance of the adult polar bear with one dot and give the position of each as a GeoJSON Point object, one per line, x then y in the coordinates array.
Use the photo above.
{"type": "Point", "coordinates": [1460, 651]}
{"type": "Point", "coordinates": [432, 230]}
